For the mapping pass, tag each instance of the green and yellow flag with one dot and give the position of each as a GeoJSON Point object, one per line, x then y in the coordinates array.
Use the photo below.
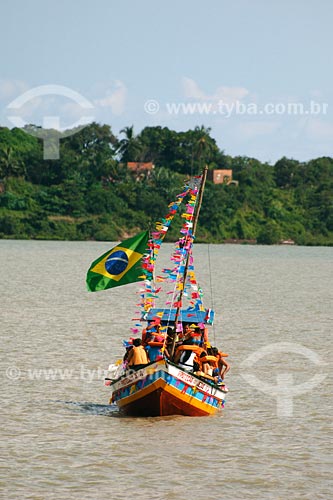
{"type": "Point", "coordinates": [119, 266]}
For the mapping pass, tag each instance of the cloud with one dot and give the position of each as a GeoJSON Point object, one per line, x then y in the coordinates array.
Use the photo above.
{"type": "Point", "coordinates": [49, 105]}
{"type": "Point", "coordinates": [59, 103]}
{"type": "Point", "coordinates": [115, 98]}
{"type": "Point", "coordinates": [225, 94]}
{"type": "Point", "coordinates": [11, 88]}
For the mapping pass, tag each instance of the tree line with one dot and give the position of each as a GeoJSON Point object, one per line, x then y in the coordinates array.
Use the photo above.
{"type": "Point", "coordinates": [89, 193]}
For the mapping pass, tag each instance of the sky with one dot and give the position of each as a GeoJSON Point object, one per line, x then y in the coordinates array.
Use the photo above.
{"type": "Point", "coordinates": [259, 73]}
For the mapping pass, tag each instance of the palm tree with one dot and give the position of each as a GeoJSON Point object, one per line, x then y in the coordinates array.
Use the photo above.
{"type": "Point", "coordinates": [129, 148]}
{"type": "Point", "coordinates": [10, 165]}
{"type": "Point", "coordinates": [203, 146]}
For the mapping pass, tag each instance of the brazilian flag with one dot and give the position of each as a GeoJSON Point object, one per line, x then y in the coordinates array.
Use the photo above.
{"type": "Point", "coordinates": [119, 266]}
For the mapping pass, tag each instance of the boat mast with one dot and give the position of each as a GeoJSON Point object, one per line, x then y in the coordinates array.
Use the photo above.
{"type": "Point", "coordinates": [195, 222]}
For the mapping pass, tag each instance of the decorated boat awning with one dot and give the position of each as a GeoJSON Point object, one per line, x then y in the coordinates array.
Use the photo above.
{"type": "Point", "coordinates": [186, 315]}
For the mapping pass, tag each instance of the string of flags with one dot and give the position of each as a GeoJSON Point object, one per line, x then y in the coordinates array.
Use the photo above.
{"type": "Point", "coordinates": [182, 255]}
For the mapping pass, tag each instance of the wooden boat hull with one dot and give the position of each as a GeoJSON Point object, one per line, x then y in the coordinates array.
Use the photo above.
{"type": "Point", "coordinates": [163, 389]}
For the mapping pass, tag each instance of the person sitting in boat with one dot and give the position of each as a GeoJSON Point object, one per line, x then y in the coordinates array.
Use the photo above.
{"type": "Point", "coordinates": [149, 333]}
{"type": "Point", "coordinates": [188, 332]}
{"type": "Point", "coordinates": [128, 346]}
{"type": "Point", "coordinates": [156, 346]}
{"type": "Point", "coordinates": [169, 341]}
{"type": "Point", "coordinates": [207, 365]}
{"type": "Point", "coordinates": [137, 357]}
{"type": "Point", "coordinates": [196, 334]}
{"type": "Point", "coordinates": [204, 336]}
{"type": "Point", "coordinates": [186, 355]}
{"type": "Point", "coordinates": [222, 364]}
{"type": "Point", "coordinates": [182, 333]}
{"type": "Point", "coordinates": [185, 335]}
{"type": "Point", "coordinates": [185, 359]}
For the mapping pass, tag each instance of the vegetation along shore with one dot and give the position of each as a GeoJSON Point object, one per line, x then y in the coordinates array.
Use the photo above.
{"type": "Point", "coordinates": [104, 187]}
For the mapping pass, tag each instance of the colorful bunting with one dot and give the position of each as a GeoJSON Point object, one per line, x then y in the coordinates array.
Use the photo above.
{"type": "Point", "coordinates": [182, 255]}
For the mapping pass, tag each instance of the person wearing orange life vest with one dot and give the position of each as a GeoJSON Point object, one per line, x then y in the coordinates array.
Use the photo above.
{"type": "Point", "coordinates": [205, 365]}
{"type": "Point", "coordinates": [209, 363]}
{"type": "Point", "coordinates": [186, 354]}
{"type": "Point", "coordinates": [222, 364]}
{"type": "Point", "coordinates": [155, 346]}
{"type": "Point", "coordinates": [186, 334]}
{"type": "Point", "coordinates": [137, 357]}
{"type": "Point", "coordinates": [191, 333]}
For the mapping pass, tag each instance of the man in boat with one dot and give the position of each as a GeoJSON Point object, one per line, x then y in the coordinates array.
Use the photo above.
{"type": "Point", "coordinates": [222, 364]}
{"type": "Point", "coordinates": [198, 334]}
{"type": "Point", "coordinates": [189, 331]}
{"type": "Point", "coordinates": [137, 357]}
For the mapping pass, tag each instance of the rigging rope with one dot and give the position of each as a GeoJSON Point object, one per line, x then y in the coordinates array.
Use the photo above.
{"type": "Point", "coordinates": [211, 289]}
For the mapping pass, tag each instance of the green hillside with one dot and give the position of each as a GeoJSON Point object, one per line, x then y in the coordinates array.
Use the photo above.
{"type": "Point", "coordinates": [89, 193]}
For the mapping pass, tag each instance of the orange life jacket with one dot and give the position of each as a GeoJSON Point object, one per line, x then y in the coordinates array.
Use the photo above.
{"type": "Point", "coordinates": [212, 360]}
{"type": "Point", "coordinates": [221, 354]}
{"type": "Point", "coordinates": [190, 347]}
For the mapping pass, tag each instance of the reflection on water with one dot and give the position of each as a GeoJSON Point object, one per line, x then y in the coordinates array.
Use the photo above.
{"type": "Point", "coordinates": [58, 439]}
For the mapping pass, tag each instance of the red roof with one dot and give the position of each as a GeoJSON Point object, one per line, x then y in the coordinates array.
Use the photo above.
{"type": "Point", "coordinates": [140, 165]}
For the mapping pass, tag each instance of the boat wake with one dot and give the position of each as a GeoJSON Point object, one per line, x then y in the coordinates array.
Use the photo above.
{"type": "Point", "coordinates": [92, 408]}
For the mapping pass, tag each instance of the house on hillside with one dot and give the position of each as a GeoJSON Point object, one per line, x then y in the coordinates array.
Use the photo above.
{"type": "Point", "coordinates": [140, 169]}
{"type": "Point", "coordinates": [221, 176]}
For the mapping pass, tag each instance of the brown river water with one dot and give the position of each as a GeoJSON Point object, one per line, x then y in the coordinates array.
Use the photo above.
{"type": "Point", "coordinates": [61, 440]}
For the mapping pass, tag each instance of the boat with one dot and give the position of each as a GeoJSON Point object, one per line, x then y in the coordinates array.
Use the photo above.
{"type": "Point", "coordinates": [172, 380]}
